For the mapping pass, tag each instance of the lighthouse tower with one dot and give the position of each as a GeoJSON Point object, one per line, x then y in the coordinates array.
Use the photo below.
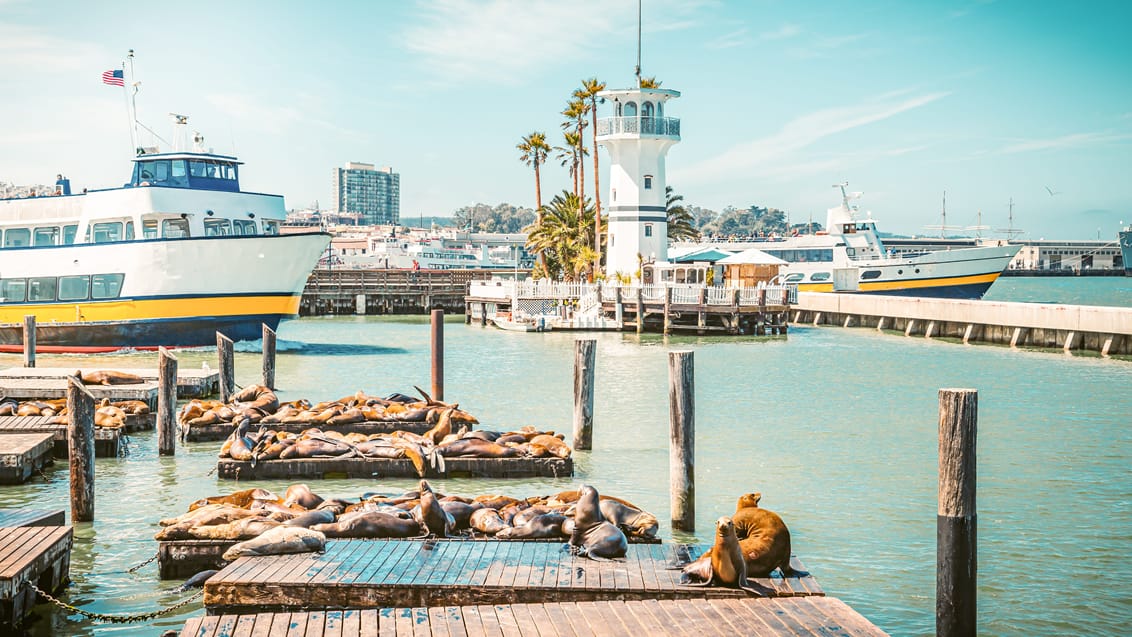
{"type": "Point", "coordinates": [637, 137]}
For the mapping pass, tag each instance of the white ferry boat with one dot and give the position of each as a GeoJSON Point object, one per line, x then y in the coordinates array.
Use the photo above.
{"type": "Point", "coordinates": [168, 259]}
{"type": "Point", "coordinates": [850, 257]}
{"type": "Point", "coordinates": [1126, 250]}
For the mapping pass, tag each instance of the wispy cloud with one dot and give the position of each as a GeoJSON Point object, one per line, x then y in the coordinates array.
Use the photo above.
{"type": "Point", "coordinates": [781, 154]}
{"type": "Point", "coordinates": [736, 38]}
{"type": "Point", "coordinates": [23, 48]}
{"type": "Point", "coordinates": [781, 33]}
{"type": "Point", "coordinates": [275, 119]}
{"type": "Point", "coordinates": [1076, 140]}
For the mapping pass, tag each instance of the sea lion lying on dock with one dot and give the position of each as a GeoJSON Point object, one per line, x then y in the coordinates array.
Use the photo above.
{"type": "Point", "coordinates": [280, 540]}
{"type": "Point", "coordinates": [374, 524]}
{"type": "Point", "coordinates": [108, 377]}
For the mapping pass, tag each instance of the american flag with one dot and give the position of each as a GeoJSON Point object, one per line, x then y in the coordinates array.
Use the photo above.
{"type": "Point", "coordinates": [114, 78]}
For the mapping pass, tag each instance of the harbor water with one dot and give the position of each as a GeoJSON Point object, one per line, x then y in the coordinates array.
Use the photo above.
{"type": "Point", "coordinates": [837, 428]}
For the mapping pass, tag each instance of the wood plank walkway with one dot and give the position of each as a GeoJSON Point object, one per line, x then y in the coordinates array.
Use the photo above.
{"type": "Point", "coordinates": [796, 616]}
{"type": "Point", "coordinates": [394, 468]}
{"type": "Point", "coordinates": [51, 388]}
{"type": "Point", "coordinates": [31, 517]}
{"type": "Point", "coordinates": [21, 455]}
{"type": "Point", "coordinates": [31, 554]}
{"type": "Point", "coordinates": [191, 383]}
{"type": "Point", "coordinates": [380, 573]}
{"type": "Point", "coordinates": [221, 431]}
{"type": "Point", "coordinates": [107, 442]}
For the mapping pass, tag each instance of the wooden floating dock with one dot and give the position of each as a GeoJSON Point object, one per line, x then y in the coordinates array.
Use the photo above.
{"type": "Point", "coordinates": [382, 573]}
{"type": "Point", "coordinates": [181, 559]}
{"type": "Point", "coordinates": [191, 383]}
{"type": "Point", "coordinates": [385, 291]}
{"type": "Point", "coordinates": [221, 431]}
{"type": "Point", "coordinates": [797, 616]}
{"type": "Point", "coordinates": [394, 468]}
{"type": "Point", "coordinates": [31, 517]}
{"type": "Point", "coordinates": [107, 442]}
{"type": "Point", "coordinates": [52, 388]}
{"type": "Point", "coordinates": [40, 555]}
{"type": "Point", "coordinates": [21, 455]}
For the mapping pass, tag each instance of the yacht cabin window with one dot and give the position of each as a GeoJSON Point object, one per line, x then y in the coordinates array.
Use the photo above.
{"type": "Point", "coordinates": [106, 232]}
{"type": "Point", "coordinates": [74, 288]}
{"type": "Point", "coordinates": [149, 229]}
{"type": "Point", "coordinates": [217, 227]}
{"type": "Point", "coordinates": [46, 236]}
{"type": "Point", "coordinates": [106, 286]}
{"type": "Point", "coordinates": [16, 237]}
{"type": "Point", "coordinates": [243, 227]}
{"type": "Point", "coordinates": [41, 288]}
{"type": "Point", "coordinates": [69, 233]}
{"type": "Point", "coordinates": [175, 228]}
{"type": "Point", "coordinates": [13, 290]}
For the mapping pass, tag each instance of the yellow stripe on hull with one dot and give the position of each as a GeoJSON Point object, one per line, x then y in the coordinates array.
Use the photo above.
{"type": "Point", "coordinates": [153, 309]}
{"type": "Point", "coordinates": [882, 286]}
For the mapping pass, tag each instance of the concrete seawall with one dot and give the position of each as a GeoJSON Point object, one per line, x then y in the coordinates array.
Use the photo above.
{"type": "Point", "coordinates": [1106, 330]}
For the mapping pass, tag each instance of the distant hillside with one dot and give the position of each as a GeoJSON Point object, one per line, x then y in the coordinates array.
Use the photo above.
{"type": "Point", "coordinates": [427, 221]}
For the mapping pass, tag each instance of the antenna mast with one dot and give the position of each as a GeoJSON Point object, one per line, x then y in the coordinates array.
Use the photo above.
{"type": "Point", "coordinates": [637, 71]}
{"type": "Point", "coordinates": [1009, 230]}
{"type": "Point", "coordinates": [133, 103]}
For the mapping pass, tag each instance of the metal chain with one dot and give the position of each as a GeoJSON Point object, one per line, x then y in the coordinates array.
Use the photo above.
{"type": "Point", "coordinates": [116, 619]}
{"type": "Point", "coordinates": [149, 561]}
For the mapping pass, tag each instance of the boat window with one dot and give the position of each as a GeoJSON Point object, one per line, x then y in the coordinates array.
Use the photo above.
{"type": "Point", "coordinates": [870, 274]}
{"type": "Point", "coordinates": [149, 229]}
{"type": "Point", "coordinates": [41, 288]}
{"type": "Point", "coordinates": [16, 237]}
{"type": "Point", "coordinates": [270, 227]}
{"type": "Point", "coordinates": [177, 174]}
{"type": "Point", "coordinates": [129, 231]}
{"type": "Point", "coordinates": [175, 228]}
{"type": "Point", "coordinates": [74, 288]}
{"type": "Point", "coordinates": [13, 290]}
{"type": "Point", "coordinates": [794, 278]}
{"type": "Point", "coordinates": [217, 227]}
{"type": "Point", "coordinates": [153, 172]}
{"type": "Point", "coordinates": [243, 227]}
{"type": "Point", "coordinates": [106, 286]}
{"type": "Point", "coordinates": [69, 233]}
{"type": "Point", "coordinates": [107, 231]}
{"type": "Point", "coordinates": [819, 276]}
{"type": "Point", "coordinates": [46, 236]}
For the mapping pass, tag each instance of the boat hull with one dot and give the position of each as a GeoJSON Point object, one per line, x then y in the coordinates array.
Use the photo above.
{"type": "Point", "coordinates": [1126, 251]}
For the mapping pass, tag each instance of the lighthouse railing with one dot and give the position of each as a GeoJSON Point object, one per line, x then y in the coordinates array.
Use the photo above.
{"type": "Point", "coordinates": [661, 126]}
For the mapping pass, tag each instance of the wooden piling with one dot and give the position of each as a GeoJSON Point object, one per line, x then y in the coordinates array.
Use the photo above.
{"type": "Point", "coordinates": [166, 402]}
{"type": "Point", "coordinates": [584, 354]}
{"type": "Point", "coordinates": [80, 447]}
{"type": "Point", "coordinates": [268, 357]}
{"type": "Point", "coordinates": [667, 311]}
{"type": "Point", "coordinates": [226, 352]}
{"type": "Point", "coordinates": [640, 309]}
{"type": "Point", "coordinates": [682, 440]}
{"type": "Point", "coordinates": [619, 309]}
{"type": "Point", "coordinates": [701, 311]}
{"type": "Point", "coordinates": [956, 522]}
{"type": "Point", "coordinates": [29, 340]}
{"type": "Point", "coordinates": [438, 354]}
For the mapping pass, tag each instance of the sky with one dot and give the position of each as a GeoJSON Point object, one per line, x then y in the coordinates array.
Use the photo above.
{"type": "Point", "coordinates": [986, 101]}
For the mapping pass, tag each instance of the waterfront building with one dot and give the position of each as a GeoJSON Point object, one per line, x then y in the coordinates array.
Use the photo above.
{"type": "Point", "coordinates": [637, 138]}
{"type": "Point", "coordinates": [367, 194]}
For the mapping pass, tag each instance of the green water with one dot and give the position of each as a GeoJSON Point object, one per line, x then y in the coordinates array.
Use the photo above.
{"type": "Point", "coordinates": [836, 427]}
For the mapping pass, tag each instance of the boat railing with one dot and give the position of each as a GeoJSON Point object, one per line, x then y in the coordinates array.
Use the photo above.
{"type": "Point", "coordinates": [586, 295]}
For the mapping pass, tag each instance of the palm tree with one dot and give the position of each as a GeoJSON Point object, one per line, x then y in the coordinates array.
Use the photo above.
{"type": "Point", "coordinates": [575, 113]}
{"type": "Point", "coordinates": [569, 155]}
{"type": "Point", "coordinates": [590, 89]}
{"type": "Point", "coordinates": [534, 151]}
{"type": "Point", "coordinates": [680, 222]}
{"type": "Point", "coordinates": [650, 82]}
{"type": "Point", "coordinates": [564, 234]}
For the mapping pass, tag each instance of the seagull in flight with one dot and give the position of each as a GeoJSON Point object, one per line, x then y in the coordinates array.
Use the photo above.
{"type": "Point", "coordinates": [1052, 193]}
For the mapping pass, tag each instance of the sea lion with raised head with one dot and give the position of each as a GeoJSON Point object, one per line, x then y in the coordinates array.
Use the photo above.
{"type": "Point", "coordinates": [763, 537]}
{"type": "Point", "coordinates": [726, 564]}
{"type": "Point", "coordinates": [432, 515]}
{"type": "Point", "coordinates": [301, 495]}
{"type": "Point", "coordinates": [594, 536]}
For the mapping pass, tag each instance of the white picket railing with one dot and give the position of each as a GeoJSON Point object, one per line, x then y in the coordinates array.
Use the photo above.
{"type": "Point", "coordinates": [586, 294]}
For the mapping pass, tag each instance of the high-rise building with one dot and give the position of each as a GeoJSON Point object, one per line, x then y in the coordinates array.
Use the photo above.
{"type": "Point", "coordinates": [373, 194]}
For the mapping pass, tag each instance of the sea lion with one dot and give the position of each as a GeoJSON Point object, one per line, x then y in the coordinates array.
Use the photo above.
{"type": "Point", "coordinates": [487, 520]}
{"type": "Point", "coordinates": [476, 448]}
{"type": "Point", "coordinates": [432, 515]}
{"type": "Point", "coordinates": [241, 499]}
{"type": "Point", "coordinates": [461, 512]}
{"type": "Point", "coordinates": [279, 541]}
{"type": "Point", "coordinates": [301, 495]}
{"type": "Point", "coordinates": [311, 518]}
{"type": "Point", "coordinates": [593, 535]}
{"type": "Point", "coordinates": [544, 525]}
{"type": "Point", "coordinates": [196, 581]}
{"type": "Point", "coordinates": [629, 519]}
{"type": "Point", "coordinates": [108, 377]}
{"type": "Point", "coordinates": [133, 406]}
{"type": "Point", "coordinates": [763, 537]}
{"type": "Point", "coordinates": [374, 524]}
{"type": "Point", "coordinates": [244, 529]}
{"type": "Point", "coordinates": [726, 564]}
{"type": "Point", "coordinates": [182, 528]}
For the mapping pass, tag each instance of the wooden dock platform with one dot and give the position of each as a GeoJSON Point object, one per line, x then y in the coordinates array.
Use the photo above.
{"type": "Point", "coordinates": [50, 388]}
{"type": "Point", "coordinates": [191, 383]}
{"type": "Point", "coordinates": [39, 555]}
{"type": "Point", "coordinates": [221, 431]}
{"type": "Point", "coordinates": [31, 517]}
{"type": "Point", "coordinates": [21, 455]}
{"type": "Point", "coordinates": [107, 442]}
{"type": "Point", "coordinates": [795, 616]}
{"type": "Point", "coordinates": [394, 468]}
{"type": "Point", "coordinates": [382, 573]}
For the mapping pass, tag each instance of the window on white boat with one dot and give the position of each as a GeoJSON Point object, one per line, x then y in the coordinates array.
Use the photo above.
{"type": "Point", "coordinates": [819, 276]}
{"type": "Point", "coordinates": [175, 228]}
{"type": "Point", "coordinates": [106, 286]}
{"type": "Point", "coordinates": [41, 288]}
{"type": "Point", "coordinates": [177, 174]}
{"type": "Point", "coordinates": [69, 233]}
{"type": "Point", "coordinates": [74, 288]}
{"type": "Point", "coordinates": [46, 236]}
{"type": "Point", "coordinates": [217, 227]}
{"type": "Point", "coordinates": [794, 278]}
{"type": "Point", "coordinates": [870, 274]}
{"type": "Point", "coordinates": [13, 290]}
{"type": "Point", "coordinates": [106, 232]}
{"type": "Point", "coordinates": [16, 237]}
{"type": "Point", "coordinates": [129, 231]}
{"type": "Point", "coordinates": [149, 229]}
{"type": "Point", "coordinates": [270, 227]}
{"type": "Point", "coordinates": [243, 227]}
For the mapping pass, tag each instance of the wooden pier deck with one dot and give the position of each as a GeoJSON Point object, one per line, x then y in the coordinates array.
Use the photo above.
{"type": "Point", "coordinates": [107, 442]}
{"type": "Point", "coordinates": [394, 468]}
{"type": "Point", "coordinates": [31, 517]}
{"type": "Point", "coordinates": [221, 431]}
{"type": "Point", "coordinates": [191, 383]}
{"type": "Point", "coordinates": [382, 573]}
{"type": "Point", "coordinates": [40, 555]}
{"type": "Point", "coordinates": [21, 455]}
{"type": "Point", "coordinates": [796, 616]}
{"type": "Point", "coordinates": [51, 388]}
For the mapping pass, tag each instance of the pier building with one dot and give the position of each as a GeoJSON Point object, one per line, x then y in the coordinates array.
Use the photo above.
{"type": "Point", "coordinates": [372, 194]}
{"type": "Point", "coordinates": [637, 138]}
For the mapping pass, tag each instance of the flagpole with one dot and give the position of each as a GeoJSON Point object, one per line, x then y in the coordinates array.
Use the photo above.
{"type": "Point", "coordinates": [133, 103]}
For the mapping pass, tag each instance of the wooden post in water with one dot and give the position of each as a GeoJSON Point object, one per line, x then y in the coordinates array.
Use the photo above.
{"type": "Point", "coordinates": [80, 449]}
{"type": "Point", "coordinates": [667, 311]}
{"type": "Point", "coordinates": [225, 350]}
{"type": "Point", "coordinates": [584, 353]}
{"type": "Point", "coordinates": [701, 311]}
{"type": "Point", "coordinates": [956, 522]}
{"type": "Point", "coordinates": [268, 357]}
{"type": "Point", "coordinates": [166, 402]}
{"type": "Point", "coordinates": [29, 340]}
{"type": "Point", "coordinates": [682, 440]}
{"type": "Point", "coordinates": [640, 309]}
{"type": "Point", "coordinates": [438, 354]}
{"type": "Point", "coordinates": [619, 312]}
